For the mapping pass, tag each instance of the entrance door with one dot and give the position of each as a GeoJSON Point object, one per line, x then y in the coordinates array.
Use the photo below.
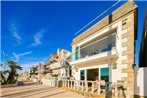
{"type": "Point", "coordinates": [105, 74]}
{"type": "Point", "coordinates": [92, 74]}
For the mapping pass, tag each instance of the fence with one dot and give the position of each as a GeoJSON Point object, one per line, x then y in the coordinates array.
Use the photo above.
{"type": "Point", "coordinates": [51, 83]}
{"type": "Point", "coordinates": [92, 88]}
{"type": "Point", "coordinates": [97, 88]}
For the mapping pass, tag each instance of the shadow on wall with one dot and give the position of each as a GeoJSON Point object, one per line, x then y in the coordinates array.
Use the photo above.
{"type": "Point", "coordinates": [145, 81]}
{"type": "Point", "coordinates": [141, 82]}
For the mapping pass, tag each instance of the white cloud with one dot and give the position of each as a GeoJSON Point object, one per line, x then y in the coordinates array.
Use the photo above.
{"type": "Point", "coordinates": [14, 32]}
{"type": "Point", "coordinates": [37, 38]}
{"type": "Point", "coordinates": [17, 56]}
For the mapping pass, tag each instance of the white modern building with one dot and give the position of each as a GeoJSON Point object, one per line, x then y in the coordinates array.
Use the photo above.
{"type": "Point", "coordinates": [106, 50]}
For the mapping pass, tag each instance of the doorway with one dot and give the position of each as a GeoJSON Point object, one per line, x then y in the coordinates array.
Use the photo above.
{"type": "Point", "coordinates": [93, 74]}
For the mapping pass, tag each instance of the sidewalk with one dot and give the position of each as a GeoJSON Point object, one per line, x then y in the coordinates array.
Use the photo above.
{"type": "Point", "coordinates": [37, 91]}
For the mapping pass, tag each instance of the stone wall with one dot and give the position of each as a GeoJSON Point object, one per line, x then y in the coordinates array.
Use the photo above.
{"type": "Point", "coordinates": [128, 50]}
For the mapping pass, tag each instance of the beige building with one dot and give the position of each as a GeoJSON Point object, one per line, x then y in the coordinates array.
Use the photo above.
{"type": "Point", "coordinates": [106, 50]}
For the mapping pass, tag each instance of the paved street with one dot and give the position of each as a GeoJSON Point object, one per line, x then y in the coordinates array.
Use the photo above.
{"type": "Point", "coordinates": [36, 91]}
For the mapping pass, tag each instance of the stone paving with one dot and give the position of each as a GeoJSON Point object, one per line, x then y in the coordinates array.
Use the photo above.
{"type": "Point", "coordinates": [36, 91]}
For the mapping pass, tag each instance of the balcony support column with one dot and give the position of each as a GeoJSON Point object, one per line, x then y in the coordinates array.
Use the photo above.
{"type": "Point", "coordinates": [110, 69]}
{"type": "Point", "coordinates": [85, 74]}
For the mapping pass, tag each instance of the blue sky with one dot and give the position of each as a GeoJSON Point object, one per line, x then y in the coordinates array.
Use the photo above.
{"type": "Point", "coordinates": [30, 31]}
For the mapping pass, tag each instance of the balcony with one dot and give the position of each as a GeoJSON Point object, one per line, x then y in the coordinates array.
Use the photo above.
{"type": "Point", "coordinates": [55, 65]}
{"type": "Point", "coordinates": [100, 49]}
{"type": "Point", "coordinates": [44, 70]}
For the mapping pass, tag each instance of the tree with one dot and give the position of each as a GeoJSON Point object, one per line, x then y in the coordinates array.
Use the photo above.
{"type": "Point", "coordinates": [12, 73]}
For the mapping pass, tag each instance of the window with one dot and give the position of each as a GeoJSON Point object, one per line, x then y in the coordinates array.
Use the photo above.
{"type": "Point", "coordinates": [82, 74]}
{"type": "Point", "coordinates": [77, 54]}
{"type": "Point", "coordinates": [105, 74]}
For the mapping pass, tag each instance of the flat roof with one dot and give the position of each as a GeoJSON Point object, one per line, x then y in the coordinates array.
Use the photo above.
{"type": "Point", "coordinates": [117, 14]}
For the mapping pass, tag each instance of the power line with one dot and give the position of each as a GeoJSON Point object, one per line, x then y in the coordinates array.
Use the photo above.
{"type": "Point", "coordinates": [96, 17]}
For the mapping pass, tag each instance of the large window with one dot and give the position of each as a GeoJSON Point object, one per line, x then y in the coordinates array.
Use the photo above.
{"type": "Point", "coordinates": [99, 46]}
{"type": "Point", "coordinates": [105, 74]}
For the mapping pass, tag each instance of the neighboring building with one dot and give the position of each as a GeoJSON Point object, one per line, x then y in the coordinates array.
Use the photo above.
{"type": "Point", "coordinates": [39, 71]}
{"type": "Point", "coordinates": [141, 72]}
{"type": "Point", "coordinates": [57, 65]}
{"type": "Point", "coordinates": [29, 74]}
{"type": "Point", "coordinates": [32, 73]}
{"type": "Point", "coordinates": [64, 57]}
{"type": "Point", "coordinates": [106, 50]}
{"type": "Point", "coordinates": [24, 76]}
{"type": "Point", "coordinates": [44, 70]}
{"type": "Point", "coordinates": [143, 48]}
{"type": "Point", "coordinates": [60, 64]}
{"type": "Point", "coordinates": [54, 64]}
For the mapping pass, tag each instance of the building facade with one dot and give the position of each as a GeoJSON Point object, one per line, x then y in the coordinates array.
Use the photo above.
{"type": "Point", "coordinates": [140, 74]}
{"type": "Point", "coordinates": [61, 66]}
{"type": "Point", "coordinates": [106, 50]}
{"type": "Point", "coordinates": [143, 48]}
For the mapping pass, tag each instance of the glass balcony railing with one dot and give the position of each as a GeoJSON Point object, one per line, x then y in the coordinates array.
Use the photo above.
{"type": "Point", "coordinates": [102, 45]}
